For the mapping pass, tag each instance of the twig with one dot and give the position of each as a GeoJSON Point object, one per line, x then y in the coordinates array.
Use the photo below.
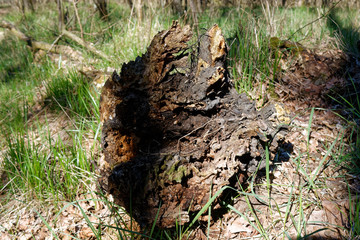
{"type": "Point", "coordinates": [85, 45]}
{"type": "Point", "coordinates": [61, 15]}
{"type": "Point", "coordinates": [15, 31]}
{"type": "Point", "coordinates": [101, 31]}
{"type": "Point", "coordinates": [38, 44]}
{"type": "Point", "coordinates": [322, 16]}
{"type": "Point", "coordinates": [53, 44]}
{"type": "Point", "coordinates": [78, 19]}
{"type": "Point", "coordinates": [62, 108]}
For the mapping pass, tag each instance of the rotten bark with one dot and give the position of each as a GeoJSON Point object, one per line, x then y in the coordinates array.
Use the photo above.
{"type": "Point", "coordinates": [174, 132]}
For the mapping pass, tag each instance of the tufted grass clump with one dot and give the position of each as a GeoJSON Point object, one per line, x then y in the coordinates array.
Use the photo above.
{"type": "Point", "coordinates": [73, 93]}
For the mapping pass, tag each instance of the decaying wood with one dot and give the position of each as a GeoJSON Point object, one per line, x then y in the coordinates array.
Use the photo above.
{"type": "Point", "coordinates": [176, 131]}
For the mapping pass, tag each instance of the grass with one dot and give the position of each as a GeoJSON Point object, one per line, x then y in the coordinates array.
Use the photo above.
{"type": "Point", "coordinates": [72, 92]}
{"type": "Point", "coordinates": [345, 29]}
{"type": "Point", "coordinates": [350, 103]}
{"type": "Point", "coordinates": [49, 168]}
{"type": "Point", "coordinates": [36, 161]}
{"type": "Point", "coordinates": [56, 164]}
{"type": "Point", "coordinates": [249, 55]}
{"type": "Point", "coordinates": [291, 216]}
{"type": "Point", "coordinates": [17, 80]}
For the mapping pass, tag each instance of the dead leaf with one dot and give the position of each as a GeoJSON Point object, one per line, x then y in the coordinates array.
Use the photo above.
{"type": "Point", "coordinates": [239, 225]}
{"type": "Point", "coordinates": [336, 213]}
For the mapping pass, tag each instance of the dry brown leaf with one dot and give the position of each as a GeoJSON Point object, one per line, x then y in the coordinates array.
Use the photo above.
{"type": "Point", "coordinates": [336, 212]}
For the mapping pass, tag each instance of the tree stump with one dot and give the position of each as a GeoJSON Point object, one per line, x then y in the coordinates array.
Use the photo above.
{"type": "Point", "coordinates": [175, 130]}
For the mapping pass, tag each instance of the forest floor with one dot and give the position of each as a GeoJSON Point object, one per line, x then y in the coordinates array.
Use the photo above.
{"type": "Point", "coordinates": [312, 194]}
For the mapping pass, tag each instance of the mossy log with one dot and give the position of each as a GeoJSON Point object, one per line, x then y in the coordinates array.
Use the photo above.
{"type": "Point", "coordinates": [175, 131]}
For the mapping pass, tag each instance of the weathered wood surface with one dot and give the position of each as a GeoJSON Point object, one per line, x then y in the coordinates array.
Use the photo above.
{"type": "Point", "coordinates": [176, 130]}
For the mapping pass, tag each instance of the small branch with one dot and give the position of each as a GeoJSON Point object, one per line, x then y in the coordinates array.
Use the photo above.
{"type": "Point", "coordinates": [101, 31]}
{"type": "Point", "coordinates": [52, 47]}
{"type": "Point", "coordinates": [14, 31]}
{"type": "Point", "coordinates": [85, 44]}
{"type": "Point", "coordinates": [56, 40]}
{"type": "Point", "coordinates": [78, 19]}
{"type": "Point", "coordinates": [101, 5]}
{"type": "Point", "coordinates": [61, 15]}
{"type": "Point", "coordinates": [35, 45]}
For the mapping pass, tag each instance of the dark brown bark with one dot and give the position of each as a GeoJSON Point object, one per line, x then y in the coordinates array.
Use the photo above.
{"type": "Point", "coordinates": [174, 132]}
